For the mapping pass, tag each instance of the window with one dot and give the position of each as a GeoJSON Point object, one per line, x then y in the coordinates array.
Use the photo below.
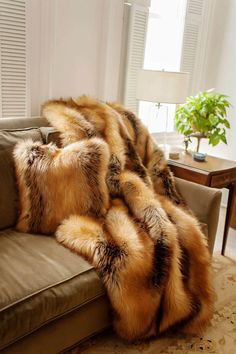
{"type": "Point", "coordinates": [163, 52]}
{"type": "Point", "coordinates": [177, 36]}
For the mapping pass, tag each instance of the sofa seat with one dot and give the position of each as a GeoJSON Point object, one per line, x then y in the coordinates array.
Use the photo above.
{"type": "Point", "coordinates": [40, 281]}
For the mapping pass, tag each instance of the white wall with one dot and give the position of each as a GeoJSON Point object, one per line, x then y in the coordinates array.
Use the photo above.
{"type": "Point", "coordinates": [74, 49]}
{"type": "Point", "coordinates": [221, 68]}
{"type": "Point", "coordinates": [77, 39]}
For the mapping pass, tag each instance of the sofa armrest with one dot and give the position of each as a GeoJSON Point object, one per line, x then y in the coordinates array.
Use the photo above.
{"type": "Point", "coordinates": [205, 204]}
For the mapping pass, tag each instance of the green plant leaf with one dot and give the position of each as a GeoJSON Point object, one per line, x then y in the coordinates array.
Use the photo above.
{"type": "Point", "coordinates": [214, 140]}
{"type": "Point", "coordinates": [226, 123]}
{"type": "Point", "coordinates": [205, 113]}
{"type": "Point", "coordinates": [213, 119]}
{"type": "Point", "coordinates": [223, 138]}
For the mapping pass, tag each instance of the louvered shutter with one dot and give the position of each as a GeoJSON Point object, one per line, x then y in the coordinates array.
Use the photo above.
{"type": "Point", "coordinates": [135, 53]}
{"type": "Point", "coordinates": [13, 73]}
{"type": "Point", "coordinates": [195, 41]}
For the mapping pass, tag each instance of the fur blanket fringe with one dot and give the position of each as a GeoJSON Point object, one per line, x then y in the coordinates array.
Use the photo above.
{"type": "Point", "coordinates": [125, 217]}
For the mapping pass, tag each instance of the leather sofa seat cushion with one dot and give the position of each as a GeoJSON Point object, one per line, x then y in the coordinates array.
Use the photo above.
{"type": "Point", "coordinates": [40, 282]}
{"type": "Point", "coordinates": [8, 189]}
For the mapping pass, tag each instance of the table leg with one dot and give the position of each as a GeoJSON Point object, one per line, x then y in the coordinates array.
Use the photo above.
{"type": "Point", "coordinates": [231, 188]}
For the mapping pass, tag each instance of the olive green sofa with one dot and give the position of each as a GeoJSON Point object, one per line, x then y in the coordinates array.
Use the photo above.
{"type": "Point", "coordinates": [50, 298]}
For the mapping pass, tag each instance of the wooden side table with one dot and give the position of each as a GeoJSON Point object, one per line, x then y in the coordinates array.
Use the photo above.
{"type": "Point", "coordinates": [233, 216]}
{"type": "Point", "coordinates": [214, 172]}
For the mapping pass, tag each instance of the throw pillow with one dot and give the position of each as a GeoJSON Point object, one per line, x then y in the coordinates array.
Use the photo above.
{"type": "Point", "coordinates": [55, 183]}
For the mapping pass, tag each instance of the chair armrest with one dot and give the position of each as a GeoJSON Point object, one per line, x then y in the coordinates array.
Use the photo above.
{"type": "Point", "coordinates": [205, 204]}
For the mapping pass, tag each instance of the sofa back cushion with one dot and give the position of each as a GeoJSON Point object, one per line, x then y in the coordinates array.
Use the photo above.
{"type": "Point", "coordinates": [21, 123]}
{"type": "Point", "coordinates": [8, 188]}
{"type": "Point", "coordinates": [50, 135]}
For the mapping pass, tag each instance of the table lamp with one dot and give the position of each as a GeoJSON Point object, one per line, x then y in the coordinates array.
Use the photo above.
{"type": "Point", "coordinates": [162, 87]}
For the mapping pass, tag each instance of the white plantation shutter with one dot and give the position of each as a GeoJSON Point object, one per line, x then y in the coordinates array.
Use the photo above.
{"type": "Point", "coordinates": [13, 73]}
{"type": "Point", "coordinates": [195, 38]}
{"type": "Point", "coordinates": [135, 53]}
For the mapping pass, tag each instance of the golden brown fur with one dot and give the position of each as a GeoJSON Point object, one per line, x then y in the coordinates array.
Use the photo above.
{"type": "Point", "coordinates": [131, 146]}
{"type": "Point", "coordinates": [125, 255]}
{"type": "Point", "coordinates": [112, 192]}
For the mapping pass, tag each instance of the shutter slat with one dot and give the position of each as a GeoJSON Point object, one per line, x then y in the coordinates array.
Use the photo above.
{"type": "Point", "coordinates": [15, 61]}
{"type": "Point", "coordinates": [15, 74]}
{"type": "Point", "coordinates": [12, 6]}
{"type": "Point", "coordinates": [16, 108]}
{"type": "Point", "coordinates": [12, 28]}
{"type": "Point", "coordinates": [13, 46]}
{"type": "Point", "coordinates": [13, 11]}
{"type": "Point", "coordinates": [11, 79]}
{"type": "Point", "coordinates": [14, 71]}
{"type": "Point", "coordinates": [13, 92]}
{"type": "Point", "coordinates": [13, 98]}
{"type": "Point", "coordinates": [13, 84]}
{"type": "Point", "coordinates": [18, 19]}
{"type": "Point", "coordinates": [13, 17]}
{"type": "Point", "coordinates": [14, 2]}
{"type": "Point", "coordinates": [7, 54]}
{"type": "Point", "coordinates": [14, 114]}
{"type": "Point", "coordinates": [16, 65]}
{"type": "Point", "coordinates": [9, 38]}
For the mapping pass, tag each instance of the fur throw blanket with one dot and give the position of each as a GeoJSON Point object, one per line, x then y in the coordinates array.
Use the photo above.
{"type": "Point", "coordinates": [119, 208]}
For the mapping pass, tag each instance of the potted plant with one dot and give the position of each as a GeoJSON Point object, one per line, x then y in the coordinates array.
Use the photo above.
{"type": "Point", "coordinates": [203, 116]}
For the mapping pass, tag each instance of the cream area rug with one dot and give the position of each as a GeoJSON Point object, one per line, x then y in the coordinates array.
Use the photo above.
{"type": "Point", "coordinates": [220, 337]}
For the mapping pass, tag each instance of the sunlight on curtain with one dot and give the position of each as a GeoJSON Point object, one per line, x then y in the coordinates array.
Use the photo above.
{"type": "Point", "coordinates": [163, 52]}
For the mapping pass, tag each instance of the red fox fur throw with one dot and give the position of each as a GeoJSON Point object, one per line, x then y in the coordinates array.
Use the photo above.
{"type": "Point", "coordinates": [118, 208]}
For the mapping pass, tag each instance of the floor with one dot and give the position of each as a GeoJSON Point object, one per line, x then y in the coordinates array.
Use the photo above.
{"type": "Point", "coordinates": [231, 242]}
{"type": "Point", "coordinates": [218, 338]}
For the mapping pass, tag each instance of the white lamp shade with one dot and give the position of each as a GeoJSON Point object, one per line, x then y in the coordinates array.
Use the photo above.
{"type": "Point", "coordinates": [162, 86]}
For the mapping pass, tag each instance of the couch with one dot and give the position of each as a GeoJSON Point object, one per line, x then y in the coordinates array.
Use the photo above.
{"type": "Point", "coordinates": [50, 298]}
